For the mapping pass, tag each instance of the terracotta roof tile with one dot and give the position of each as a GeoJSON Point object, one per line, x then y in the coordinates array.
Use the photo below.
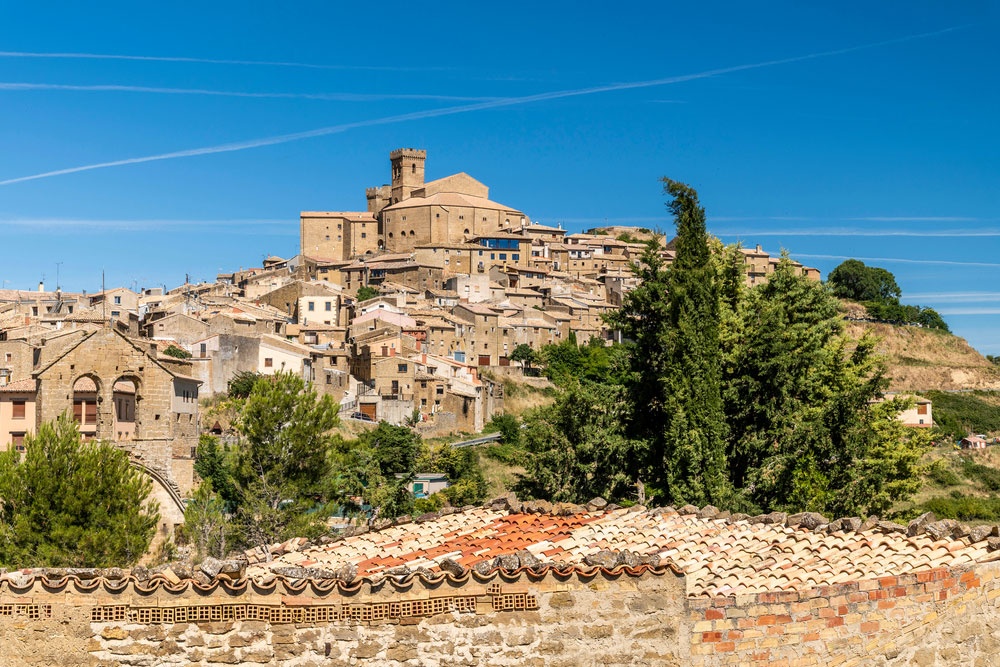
{"type": "Point", "coordinates": [717, 556]}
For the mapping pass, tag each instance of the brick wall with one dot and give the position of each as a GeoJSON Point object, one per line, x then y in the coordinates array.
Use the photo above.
{"type": "Point", "coordinates": [890, 620]}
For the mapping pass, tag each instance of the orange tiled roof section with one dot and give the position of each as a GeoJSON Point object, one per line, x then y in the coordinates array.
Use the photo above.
{"type": "Point", "coordinates": [718, 556]}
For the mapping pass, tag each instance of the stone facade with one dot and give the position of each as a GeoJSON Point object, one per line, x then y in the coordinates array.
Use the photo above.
{"type": "Point", "coordinates": [504, 618]}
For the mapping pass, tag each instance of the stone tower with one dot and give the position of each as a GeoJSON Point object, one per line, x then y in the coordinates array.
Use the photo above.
{"type": "Point", "coordinates": [407, 172]}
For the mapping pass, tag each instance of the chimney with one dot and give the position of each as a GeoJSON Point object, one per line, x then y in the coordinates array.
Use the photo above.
{"type": "Point", "coordinates": [41, 286]}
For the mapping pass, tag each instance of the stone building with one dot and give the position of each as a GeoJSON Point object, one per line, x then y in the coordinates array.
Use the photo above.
{"type": "Point", "coordinates": [162, 416]}
{"type": "Point", "coordinates": [406, 213]}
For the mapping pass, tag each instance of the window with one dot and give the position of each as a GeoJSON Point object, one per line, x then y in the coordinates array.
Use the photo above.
{"type": "Point", "coordinates": [118, 300]}
{"type": "Point", "coordinates": [329, 379]}
{"type": "Point", "coordinates": [312, 306]}
{"type": "Point", "coordinates": [115, 313]}
{"type": "Point", "coordinates": [401, 368]}
{"type": "Point", "coordinates": [440, 390]}
{"type": "Point", "coordinates": [18, 409]}
{"type": "Point", "coordinates": [515, 257]}
{"type": "Point", "coordinates": [364, 235]}
{"type": "Point", "coordinates": [493, 255]}
{"type": "Point", "coordinates": [327, 238]}
{"type": "Point", "coordinates": [503, 255]}
{"type": "Point", "coordinates": [329, 306]}
{"type": "Point", "coordinates": [17, 439]}
{"type": "Point", "coordinates": [268, 362]}
{"type": "Point", "coordinates": [922, 410]}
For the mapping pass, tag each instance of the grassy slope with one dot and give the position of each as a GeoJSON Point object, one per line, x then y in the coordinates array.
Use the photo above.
{"type": "Point", "coordinates": [923, 359]}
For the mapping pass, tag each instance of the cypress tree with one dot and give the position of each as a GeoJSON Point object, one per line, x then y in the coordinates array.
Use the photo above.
{"type": "Point", "coordinates": [690, 455]}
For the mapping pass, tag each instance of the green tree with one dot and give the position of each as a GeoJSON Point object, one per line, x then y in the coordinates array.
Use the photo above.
{"type": "Point", "coordinates": [672, 320]}
{"type": "Point", "coordinates": [176, 352]}
{"type": "Point", "coordinates": [853, 280]}
{"type": "Point", "coordinates": [524, 354]}
{"type": "Point", "coordinates": [579, 447]}
{"type": "Point", "coordinates": [466, 483]}
{"type": "Point", "coordinates": [366, 292]}
{"type": "Point", "coordinates": [377, 468]}
{"type": "Point", "coordinates": [283, 460]}
{"type": "Point", "coordinates": [206, 523]}
{"type": "Point", "coordinates": [808, 430]}
{"type": "Point", "coordinates": [243, 383]}
{"type": "Point", "coordinates": [72, 504]}
{"type": "Point", "coordinates": [215, 464]}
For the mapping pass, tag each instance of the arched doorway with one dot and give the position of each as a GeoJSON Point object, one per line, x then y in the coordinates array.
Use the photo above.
{"type": "Point", "coordinates": [86, 396]}
{"type": "Point", "coordinates": [125, 393]}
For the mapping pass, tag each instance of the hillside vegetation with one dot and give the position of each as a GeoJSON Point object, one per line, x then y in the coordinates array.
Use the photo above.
{"type": "Point", "coordinates": [926, 359]}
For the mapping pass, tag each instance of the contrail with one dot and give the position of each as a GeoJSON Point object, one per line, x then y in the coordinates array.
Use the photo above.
{"type": "Point", "coordinates": [877, 218]}
{"type": "Point", "coordinates": [955, 297]}
{"type": "Point", "coordinates": [35, 224]}
{"type": "Point", "coordinates": [335, 97]}
{"type": "Point", "coordinates": [480, 106]}
{"type": "Point", "coordinates": [943, 262]}
{"type": "Point", "coordinates": [211, 61]}
{"type": "Point", "coordinates": [968, 311]}
{"type": "Point", "coordinates": [957, 233]}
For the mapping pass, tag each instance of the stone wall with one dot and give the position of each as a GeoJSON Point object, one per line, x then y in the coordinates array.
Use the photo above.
{"type": "Point", "coordinates": [571, 617]}
{"type": "Point", "coordinates": [568, 618]}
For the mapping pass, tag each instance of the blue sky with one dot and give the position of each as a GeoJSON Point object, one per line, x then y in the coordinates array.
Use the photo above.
{"type": "Point", "coordinates": [833, 130]}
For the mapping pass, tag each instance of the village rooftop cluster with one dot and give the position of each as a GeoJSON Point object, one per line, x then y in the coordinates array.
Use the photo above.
{"type": "Point", "coordinates": [450, 282]}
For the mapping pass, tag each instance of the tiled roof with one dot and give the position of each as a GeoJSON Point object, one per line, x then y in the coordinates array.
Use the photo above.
{"type": "Point", "coordinates": [719, 556]}
{"type": "Point", "coordinates": [19, 386]}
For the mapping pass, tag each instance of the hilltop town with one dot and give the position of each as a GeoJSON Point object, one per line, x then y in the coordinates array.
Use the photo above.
{"type": "Point", "coordinates": [414, 313]}
{"type": "Point", "coordinates": [409, 310]}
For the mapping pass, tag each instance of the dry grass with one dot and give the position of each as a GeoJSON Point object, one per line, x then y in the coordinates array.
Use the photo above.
{"type": "Point", "coordinates": [922, 359]}
{"type": "Point", "coordinates": [500, 477]}
{"type": "Point", "coordinates": [523, 394]}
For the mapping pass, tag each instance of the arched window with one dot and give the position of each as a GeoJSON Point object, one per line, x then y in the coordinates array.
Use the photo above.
{"type": "Point", "coordinates": [412, 233]}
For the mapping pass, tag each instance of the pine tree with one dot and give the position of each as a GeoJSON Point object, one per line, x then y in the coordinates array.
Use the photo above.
{"type": "Point", "coordinates": [72, 504]}
{"type": "Point", "coordinates": [283, 460]}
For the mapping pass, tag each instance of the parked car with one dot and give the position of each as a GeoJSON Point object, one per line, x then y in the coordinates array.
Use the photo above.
{"type": "Point", "coordinates": [361, 417]}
